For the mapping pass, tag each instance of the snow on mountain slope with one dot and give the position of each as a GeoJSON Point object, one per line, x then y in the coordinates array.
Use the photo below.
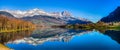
{"type": "Point", "coordinates": [36, 11]}
{"type": "Point", "coordinates": [63, 16]}
{"type": "Point", "coordinates": [20, 14]}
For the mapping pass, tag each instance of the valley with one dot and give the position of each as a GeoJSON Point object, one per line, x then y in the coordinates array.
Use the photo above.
{"type": "Point", "coordinates": [23, 20]}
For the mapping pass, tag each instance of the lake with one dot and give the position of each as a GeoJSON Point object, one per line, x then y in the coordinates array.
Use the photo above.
{"type": "Point", "coordinates": [62, 39]}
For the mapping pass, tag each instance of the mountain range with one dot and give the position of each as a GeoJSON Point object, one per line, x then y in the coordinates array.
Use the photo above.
{"type": "Point", "coordinates": [41, 17]}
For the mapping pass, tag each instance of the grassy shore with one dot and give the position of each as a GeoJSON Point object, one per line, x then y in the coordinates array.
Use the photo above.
{"type": "Point", "coordinates": [15, 30]}
{"type": "Point", "coordinates": [114, 27]}
{"type": "Point", "coordinates": [91, 26]}
{"type": "Point", "coordinates": [3, 47]}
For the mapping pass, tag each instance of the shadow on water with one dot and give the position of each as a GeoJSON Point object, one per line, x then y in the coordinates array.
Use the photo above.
{"type": "Point", "coordinates": [114, 34]}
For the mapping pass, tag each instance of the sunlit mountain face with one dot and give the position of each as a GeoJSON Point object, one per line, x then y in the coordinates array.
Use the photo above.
{"type": "Point", "coordinates": [41, 17]}
{"type": "Point", "coordinates": [37, 11]}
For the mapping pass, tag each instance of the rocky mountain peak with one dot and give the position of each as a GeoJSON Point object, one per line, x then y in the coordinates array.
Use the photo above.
{"type": "Point", "coordinates": [66, 14]}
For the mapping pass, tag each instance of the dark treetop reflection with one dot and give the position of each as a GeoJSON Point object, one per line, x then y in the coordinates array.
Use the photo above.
{"type": "Point", "coordinates": [115, 35]}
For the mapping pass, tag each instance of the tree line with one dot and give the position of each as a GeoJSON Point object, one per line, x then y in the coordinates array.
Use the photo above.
{"type": "Point", "coordinates": [7, 23]}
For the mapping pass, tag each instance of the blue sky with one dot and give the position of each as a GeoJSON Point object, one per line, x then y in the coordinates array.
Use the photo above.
{"type": "Point", "coordinates": [93, 10]}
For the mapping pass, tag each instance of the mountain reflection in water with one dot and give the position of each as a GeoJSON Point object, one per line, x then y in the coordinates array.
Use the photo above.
{"type": "Point", "coordinates": [12, 36]}
{"type": "Point", "coordinates": [57, 34]}
{"type": "Point", "coordinates": [6, 37]}
{"type": "Point", "coordinates": [53, 38]}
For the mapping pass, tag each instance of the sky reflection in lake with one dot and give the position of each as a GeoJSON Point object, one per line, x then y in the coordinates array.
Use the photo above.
{"type": "Point", "coordinates": [67, 40]}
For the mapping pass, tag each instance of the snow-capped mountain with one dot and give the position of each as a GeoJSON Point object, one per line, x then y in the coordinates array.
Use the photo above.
{"type": "Point", "coordinates": [39, 16]}
{"type": "Point", "coordinates": [66, 14]}
{"type": "Point", "coordinates": [36, 11]}
{"type": "Point", "coordinates": [20, 14]}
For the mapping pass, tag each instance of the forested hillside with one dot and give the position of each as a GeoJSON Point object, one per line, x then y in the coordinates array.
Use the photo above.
{"type": "Point", "coordinates": [13, 24]}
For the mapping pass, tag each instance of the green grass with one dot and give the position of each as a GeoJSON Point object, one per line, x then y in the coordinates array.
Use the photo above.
{"type": "Point", "coordinates": [114, 27]}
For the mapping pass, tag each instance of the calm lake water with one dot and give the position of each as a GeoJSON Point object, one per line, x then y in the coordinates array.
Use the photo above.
{"type": "Point", "coordinates": [62, 39]}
